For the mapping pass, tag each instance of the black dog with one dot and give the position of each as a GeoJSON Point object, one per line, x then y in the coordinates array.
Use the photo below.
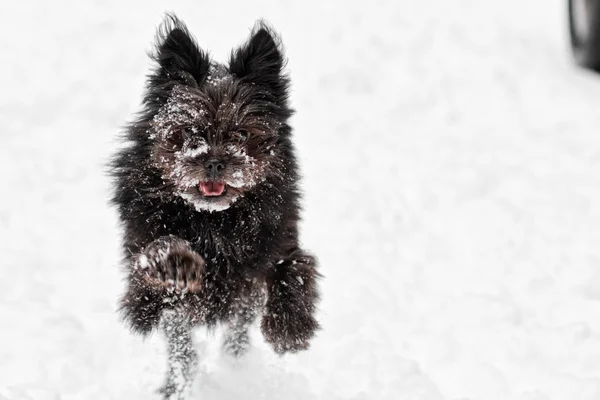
{"type": "Point", "coordinates": [206, 188]}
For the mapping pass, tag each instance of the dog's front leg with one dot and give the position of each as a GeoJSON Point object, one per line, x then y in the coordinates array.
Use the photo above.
{"type": "Point", "coordinates": [182, 357]}
{"type": "Point", "coordinates": [163, 271]}
{"type": "Point", "coordinates": [161, 275]}
{"type": "Point", "coordinates": [289, 322]}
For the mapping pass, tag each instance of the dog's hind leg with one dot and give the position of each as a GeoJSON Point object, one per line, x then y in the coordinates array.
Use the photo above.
{"type": "Point", "coordinates": [182, 357]}
{"type": "Point", "coordinates": [237, 341]}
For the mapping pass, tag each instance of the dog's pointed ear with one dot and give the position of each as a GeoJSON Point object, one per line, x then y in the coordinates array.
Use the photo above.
{"type": "Point", "coordinates": [178, 56]}
{"type": "Point", "coordinates": [261, 61]}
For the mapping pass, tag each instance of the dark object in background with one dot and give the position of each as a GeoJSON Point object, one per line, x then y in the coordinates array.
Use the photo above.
{"type": "Point", "coordinates": [584, 29]}
{"type": "Point", "coordinates": [207, 191]}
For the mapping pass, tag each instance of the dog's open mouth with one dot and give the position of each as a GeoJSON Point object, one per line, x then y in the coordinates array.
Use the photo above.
{"type": "Point", "coordinates": [212, 188]}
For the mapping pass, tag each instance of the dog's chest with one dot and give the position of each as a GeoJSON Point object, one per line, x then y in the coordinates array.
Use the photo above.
{"type": "Point", "coordinates": [227, 245]}
{"type": "Point", "coordinates": [229, 241]}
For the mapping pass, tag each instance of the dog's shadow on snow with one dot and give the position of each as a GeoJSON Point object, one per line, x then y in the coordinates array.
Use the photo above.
{"type": "Point", "coordinates": [260, 374]}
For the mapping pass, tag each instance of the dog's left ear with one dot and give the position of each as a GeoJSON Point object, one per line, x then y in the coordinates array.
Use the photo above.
{"type": "Point", "coordinates": [177, 54]}
{"type": "Point", "coordinates": [260, 61]}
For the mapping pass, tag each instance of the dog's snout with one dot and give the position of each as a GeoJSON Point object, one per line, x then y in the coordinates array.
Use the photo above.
{"type": "Point", "coordinates": [215, 166]}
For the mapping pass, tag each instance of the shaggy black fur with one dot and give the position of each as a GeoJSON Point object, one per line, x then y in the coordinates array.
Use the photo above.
{"type": "Point", "coordinates": [225, 258]}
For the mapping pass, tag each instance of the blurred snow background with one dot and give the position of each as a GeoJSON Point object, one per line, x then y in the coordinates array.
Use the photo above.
{"type": "Point", "coordinates": [451, 158]}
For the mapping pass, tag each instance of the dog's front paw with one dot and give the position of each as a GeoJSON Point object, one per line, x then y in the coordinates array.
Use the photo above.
{"type": "Point", "coordinates": [170, 263]}
{"type": "Point", "coordinates": [289, 323]}
{"type": "Point", "coordinates": [289, 331]}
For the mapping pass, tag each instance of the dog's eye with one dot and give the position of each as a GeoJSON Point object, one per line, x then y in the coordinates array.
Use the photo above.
{"type": "Point", "coordinates": [181, 134]}
{"type": "Point", "coordinates": [195, 144]}
{"type": "Point", "coordinates": [186, 132]}
{"type": "Point", "coordinates": [240, 136]}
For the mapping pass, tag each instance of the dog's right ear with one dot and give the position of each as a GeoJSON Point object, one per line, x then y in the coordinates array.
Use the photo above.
{"type": "Point", "coordinates": [178, 56]}
{"type": "Point", "coordinates": [260, 61]}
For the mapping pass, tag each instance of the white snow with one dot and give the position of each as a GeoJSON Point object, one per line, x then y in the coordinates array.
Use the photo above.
{"type": "Point", "coordinates": [200, 204]}
{"type": "Point", "coordinates": [238, 179]}
{"type": "Point", "coordinates": [192, 151]}
{"type": "Point", "coordinates": [450, 153]}
{"type": "Point", "coordinates": [180, 110]}
{"type": "Point", "coordinates": [143, 261]}
{"type": "Point", "coordinates": [215, 80]}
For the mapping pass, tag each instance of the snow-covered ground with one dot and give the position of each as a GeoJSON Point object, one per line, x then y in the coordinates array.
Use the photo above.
{"type": "Point", "coordinates": [451, 155]}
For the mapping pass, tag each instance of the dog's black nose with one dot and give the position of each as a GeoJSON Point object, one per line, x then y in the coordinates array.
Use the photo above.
{"type": "Point", "coordinates": [215, 166]}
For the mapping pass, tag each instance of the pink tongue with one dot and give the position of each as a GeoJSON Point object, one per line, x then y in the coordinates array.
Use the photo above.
{"type": "Point", "coordinates": [212, 188]}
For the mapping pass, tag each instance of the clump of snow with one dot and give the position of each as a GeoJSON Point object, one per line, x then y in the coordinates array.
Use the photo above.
{"type": "Point", "coordinates": [238, 179]}
{"type": "Point", "coordinates": [144, 263]}
{"type": "Point", "coordinates": [182, 109]}
{"type": "Point", "coordinates": [216, 77]}
{"type": "Point", "coordinates": [238, 151]}
{"type": "Point", "coordinates": [192, 150]}
{"type": "Point", "coordinates": [201, 204]}
{"type": "Point", "coordinates": [183, 178]}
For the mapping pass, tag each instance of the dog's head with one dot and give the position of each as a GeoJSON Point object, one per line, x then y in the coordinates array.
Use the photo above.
{"type": "Point", "coordinates": [215, 130]}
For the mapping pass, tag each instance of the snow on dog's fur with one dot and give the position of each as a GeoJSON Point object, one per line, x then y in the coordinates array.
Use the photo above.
{"type": "Point", "coordinates": [207, 191]}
